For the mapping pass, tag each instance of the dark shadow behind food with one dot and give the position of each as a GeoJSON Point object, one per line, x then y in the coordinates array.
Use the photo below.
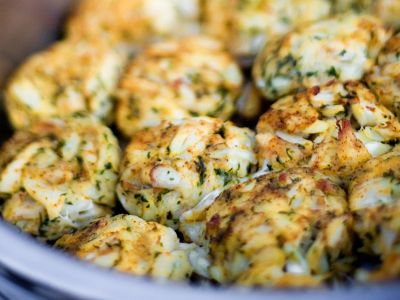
{"type": "Point", "coordinates": [26, 27]}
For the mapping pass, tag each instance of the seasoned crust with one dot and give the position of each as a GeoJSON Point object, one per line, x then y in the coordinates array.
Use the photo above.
{"type": "Point", "coordinates": [245, 26]}
{"type": "Point", "coordinates": [67, 78]}
{"type": "Point", "coordinates": [129, 244]}
{"type": "Point", "coordinates": [178, 79]}
{"type": "Point", "coordinates": [343, 47]}
{"type": "Point", "coordinates": [169, 168]}
{"type": "Point", "coordinates": [288, 228]}
{"type": "Point", "coordinates": [65, 170]}
{"type": "Point", "coordinates": [384, 79]}
{"type": "Point", "coordinates": [334, 127]}
{"type": "Point", "coordinates": [133, 23]}
{"type": "Point", "coordinates": [387, 10]}
{"type": "Point", "coordinates": [374, 199]}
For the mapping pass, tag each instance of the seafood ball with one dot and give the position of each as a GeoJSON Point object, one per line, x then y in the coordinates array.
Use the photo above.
{"type": "Point", "coordinates": [133, 23]}
{"type": "Point", "coordinates": [334, 128]}
{"type": "Point", "coordinates": [178, 79]}
{"type": "Point", "coordinates": [387, 10]}
{"type": "Point", "coordinates": [343, 47]}
{"type": "Point", "coordinates": [374, 199]}
{"type": "Point", "coordinates": [245, 26]}
{"type": "Point", "coordinates": [288, 228]}
{"type": "Point", "coordinates": [129, 244]}
{"type": "Point", "coordinates": [67, 78]}
{"type": "Point", "coordinates": [384, 79]}
{"type": "Point", "coordinates": [169, 168]}
{"type": "Point", "coordinates": [58, 175]}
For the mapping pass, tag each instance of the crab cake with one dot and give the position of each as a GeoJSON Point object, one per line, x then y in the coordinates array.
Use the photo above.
{"type": "Point", "coordinates": [169, 168]}
{"type": "Point", "coordinates": [67, 78]}
{"type": "Point", "coordinates": [387, 10]}
{"type": "Point", "coordinates": [178, 79]}
{"type": "Point", "coordinates": [384, 79]}
{"type": "Point", "coordinates": [58, 175]}
{"type": "Point", "coordinates": [246, 25]}
{"type": "Point", "coordinates": [335, 128]}
{"type": "Point", "coordinates": [374, 199]}
{"type": "Point", "coordinates": [133, 22]}
{"type": "Point", "coordinates": [288, 228]}
{"type": "Point", "coordinates": [129, 244]}
{"type": "Point", "coordinates": [343, 47]}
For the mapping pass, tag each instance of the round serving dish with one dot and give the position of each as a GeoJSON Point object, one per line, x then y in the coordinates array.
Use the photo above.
{"type": "Point", "coordinates": [55, 275]}
{"type": "Point", "coordinates": [31, 270]}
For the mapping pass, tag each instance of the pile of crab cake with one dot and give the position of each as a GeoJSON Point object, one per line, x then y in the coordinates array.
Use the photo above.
{"type": "Point", "coordinates": [297, 202]}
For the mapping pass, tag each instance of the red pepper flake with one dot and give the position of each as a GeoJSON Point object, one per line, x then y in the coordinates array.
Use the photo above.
{"type": "Point", "coordinates": [315, 90]}
{"type": "Point", "coordinates": [354, 100]}
{"type": "Point", "coordinates": [325, 186]}
{"type": "Point", "coordinates": [213, 223]}
{"type": "Point", "coordinates": [344, 128]}
{"type": "Point", "coordinates": [371, 108]}
{"type": "Point", "coordinates": [177, 83]}
{"type": "Point", "coordinates": [283, 177]}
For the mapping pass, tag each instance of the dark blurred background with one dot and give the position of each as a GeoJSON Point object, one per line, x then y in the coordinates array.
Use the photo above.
{"type": "Point", "coordinates": [27, 26]}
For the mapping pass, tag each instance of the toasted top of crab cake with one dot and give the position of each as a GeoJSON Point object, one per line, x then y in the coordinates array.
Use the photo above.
{"type": "Point", "coordinates": [129, 244]}
{"type": "Point", "coordinates": [178, 79]}
{"type": "Point", "coordinates": [169, 168]}
{"type": "Point", "coordinates": [133, 23]}
{"type": "Point", "coordinates": [384, 79]}
{"type": "Point", "coordinates": [374, 199]}
{"type": "Point", "coordinates": [245, 26]}
{"type": "Point", "coordinates": [58, 175]}
{"type": "Point", "coordinates": [67, 78]}
{"type": "Point", "coordinates": [287, 228]}
{"type": "Point", "coordinates": [343, 47]}
{"type": "Point", "coordinates": [334, 128]}
{"type": "Point", "coordinates": [387, 10]}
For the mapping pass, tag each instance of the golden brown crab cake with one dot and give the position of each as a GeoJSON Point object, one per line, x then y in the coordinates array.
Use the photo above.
{"type": "Point", "coordinates": [59, 175]}
{"type": "Point", "coordinates": [387, 10]}
{"type": "Point", "coordinates": [288, 228]}
{"type": "Point", "coordinates": [67, 78]}
{"type": "Point", "coordinates": [169, 168]}
{"type": "Point", "coordinates": [245, 26]}
{"type": "Point", "coordinates": [133, 23]}
{"type": "Point", "coordinates": [129, 244]}
{"type": "Point", "coordinates": [384, 79]}
{"type": "Point", "coordinates": [374, 199]}
{"type": "Point", "coordinates": [334, 128]}
{"type": "Point", "coordinates": [178, 79]}
{"type": "Point", "coordinates": [342, 47]}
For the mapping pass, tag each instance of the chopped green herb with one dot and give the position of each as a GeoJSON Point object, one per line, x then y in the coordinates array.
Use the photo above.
{"type": "Point", "coordinates": [201, 169]}
{"type": "Point", "coordinates": [169, 216]}
{"type": "Point", "coordinates": [332, 72]}
{"type": "Point", "coordinates": [289, 153]}
{"type": "Point", "coordinates": [221, 131]}
{"type": "Point", "coordinates": [227, 177]}
{"type": "Point", "coordinates": [312, 73]}
{"type": "Point", "coordinates": [390, 174]}
{"type": "Point", "coordinates": [141, 198]}
{"type": "Point", "coordinates": [193, 113]}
